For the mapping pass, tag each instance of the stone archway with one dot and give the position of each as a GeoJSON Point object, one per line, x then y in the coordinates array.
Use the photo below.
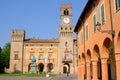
{"type": "Point", "coordinates": [50, 67]}
{"type": "Point", "coordinates": [109, 49]}
{"type": "Point", "coordinates": [66, 68]}
{"type": "Point", "coordinates": [40, 67]}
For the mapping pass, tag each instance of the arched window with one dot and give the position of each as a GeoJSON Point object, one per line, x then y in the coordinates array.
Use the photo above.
{"type": "Point", "coordinates": [66, 12]}
{"type": "Point", "coordinates": [66, 44]}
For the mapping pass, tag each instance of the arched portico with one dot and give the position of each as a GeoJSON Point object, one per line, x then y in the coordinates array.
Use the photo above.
{"type": "Point", "coordinates": [109, 49]}
{"type": "Point", "coordinates": [40, 67]}
{"type": "Point", "coordinates": [96, 63]}
{"type": "Point", "coordinates": [84, 71]}
{"type": "Point", "coordinates": [50, 67]}
{"type": "Point", "coordinates": [89, 65]}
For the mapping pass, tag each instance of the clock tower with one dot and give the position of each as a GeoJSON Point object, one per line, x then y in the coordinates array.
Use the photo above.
{"type": "Point", "coordinates": [66, 15]}
{"type": "Point", "coordinates": [66, 34]}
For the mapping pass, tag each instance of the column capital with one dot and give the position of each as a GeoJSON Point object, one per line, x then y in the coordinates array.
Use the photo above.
{"type": "Point", "coordinates": [104, 60]}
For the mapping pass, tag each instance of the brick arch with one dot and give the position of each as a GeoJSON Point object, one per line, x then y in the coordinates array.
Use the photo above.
{"type": "Point", "coordinates": [88, 56]}
{"type": "Point", "coordinates": [79, 58]}
{"type": "Point", "coordinates": [83, 58]}
{"type": "Point", "coordinates": [96, 52]}
{"type": "Point", "coordinates": [106, 48]}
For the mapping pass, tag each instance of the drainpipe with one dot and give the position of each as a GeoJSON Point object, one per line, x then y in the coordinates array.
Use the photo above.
{"type": "Point", "coordinates": [113, 34]}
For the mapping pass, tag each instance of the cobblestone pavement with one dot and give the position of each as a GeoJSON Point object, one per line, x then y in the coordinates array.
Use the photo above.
{"type": "Point", "coordinates": [65, 77]}
{"type": "Point", "coordinates": [24, 78]}
{"type": "Point", "coordinates": [59, 77]}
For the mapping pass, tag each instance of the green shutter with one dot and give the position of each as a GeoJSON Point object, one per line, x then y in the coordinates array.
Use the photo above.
{"type": "Point", "coordinates": [102, 14]}
{"type": "Point", "coordinates": [94, 23]}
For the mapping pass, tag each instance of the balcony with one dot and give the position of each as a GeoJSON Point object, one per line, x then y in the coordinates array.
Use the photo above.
{"type": "Point", "coordinates": [66, 60]}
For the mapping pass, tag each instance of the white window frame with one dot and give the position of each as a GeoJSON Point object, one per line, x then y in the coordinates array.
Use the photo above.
{"type": "Point", "coordinates": [116, 10]}
{"type": "Point", "coordinates": [95, 22]}
{"type": "Point", "coordinates": [101, 13]}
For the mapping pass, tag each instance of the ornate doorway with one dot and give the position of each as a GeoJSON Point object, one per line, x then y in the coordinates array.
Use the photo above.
{"type": "Point", "coordinates": [66, 68]}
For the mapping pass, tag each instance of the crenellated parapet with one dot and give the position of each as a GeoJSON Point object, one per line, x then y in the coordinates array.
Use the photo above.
{"type": "Point", "coordinates": [17, 35]}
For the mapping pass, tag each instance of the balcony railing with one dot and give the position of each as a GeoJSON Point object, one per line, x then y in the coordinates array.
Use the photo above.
{"type": "Point", "coordinates": [68, 60]}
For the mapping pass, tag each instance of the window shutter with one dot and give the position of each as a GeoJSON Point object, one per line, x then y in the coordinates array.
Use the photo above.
{"type": "Point", "coordinates": [98, 17]}
{"type": "Point", "coordinates": [102, 14]}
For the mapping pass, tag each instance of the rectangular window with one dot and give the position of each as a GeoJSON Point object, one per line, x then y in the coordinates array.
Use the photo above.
{"type": "Point", "coordinates": [41, 56]}
{"type": "Point", "coordinates": [94, 23]}
{"type": "Point", "coordinates": [102, 14]}
{"type": "Point", "coordinates": [82, 37]}
{"type": "Point", "coordinates": [117, 4]}
{"type": "Point", "coordinates": [86, 32]}
{"type": "Point", "coordinates": [16, 57]}
{"type": "Point", "coordinates": [50, 56]}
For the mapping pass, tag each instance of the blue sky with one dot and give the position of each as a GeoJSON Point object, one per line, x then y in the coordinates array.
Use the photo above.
{"type": "Point", "coordinates": [39, 18]}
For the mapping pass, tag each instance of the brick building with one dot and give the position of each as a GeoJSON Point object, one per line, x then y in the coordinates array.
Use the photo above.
{"type": "Point", "coordinates": [53, 55]}
{"type": "Point", "coordinates": [98, 39]}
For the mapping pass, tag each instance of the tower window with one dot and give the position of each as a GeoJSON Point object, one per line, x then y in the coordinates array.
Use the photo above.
{"type": "Point", "coordinates": [66, 44]}
{"type": "Point", "coordinates": [66, 12]}
{"type": "Point", "coordinates": [16, 57]}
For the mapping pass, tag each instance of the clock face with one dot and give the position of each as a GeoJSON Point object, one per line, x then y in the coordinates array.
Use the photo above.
{"type": "Point", "coordinates": [66, 20]}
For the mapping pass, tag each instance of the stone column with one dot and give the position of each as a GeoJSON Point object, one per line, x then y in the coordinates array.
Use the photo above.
{"type": "Point", "coordinates": [88, 71]}
{"type": "Point", "coordinates": [95, 70]}
{"type": "Point", "coordinates": [104, 69]}
{"type": "Point", "coordinates": [81, 71]}
{"type": "Point", "coordinates": [117, 58]}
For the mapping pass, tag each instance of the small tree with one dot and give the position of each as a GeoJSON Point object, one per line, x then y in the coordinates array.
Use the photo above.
{"type": "Point", "coordinates": [5, 57]}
